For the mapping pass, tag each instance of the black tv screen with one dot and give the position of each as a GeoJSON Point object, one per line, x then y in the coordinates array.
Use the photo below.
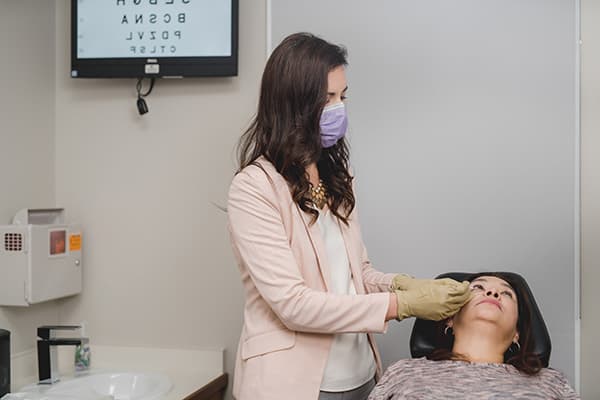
{"type": "Point", "coordinates": [153, 38]}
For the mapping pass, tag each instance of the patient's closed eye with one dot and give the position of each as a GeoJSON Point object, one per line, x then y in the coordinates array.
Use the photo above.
{"type": "Point", "coordinates": [479, 287]}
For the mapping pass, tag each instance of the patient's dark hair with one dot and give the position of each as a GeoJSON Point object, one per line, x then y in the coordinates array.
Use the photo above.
{"type": "Point", "coordinates": [523, 358]}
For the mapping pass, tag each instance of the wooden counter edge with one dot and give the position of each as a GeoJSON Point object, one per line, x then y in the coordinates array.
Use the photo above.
{"type": "Point", "coordinates": [214, 390]}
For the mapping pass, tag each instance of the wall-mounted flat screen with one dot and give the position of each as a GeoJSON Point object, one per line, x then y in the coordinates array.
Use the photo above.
{"type": "Point", "coordinates": [153, 38]}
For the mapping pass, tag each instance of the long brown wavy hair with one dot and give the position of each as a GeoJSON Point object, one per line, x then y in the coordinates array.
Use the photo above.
{"type": "Point", "coordinates": [286, 130]}
{"type": "Point", "coordinates": [523, 358]}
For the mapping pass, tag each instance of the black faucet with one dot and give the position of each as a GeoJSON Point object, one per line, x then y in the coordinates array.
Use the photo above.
{"type": "Point", "coordinates": [47, 351]}
{"type": "Point", "coordinates": [4, 362]}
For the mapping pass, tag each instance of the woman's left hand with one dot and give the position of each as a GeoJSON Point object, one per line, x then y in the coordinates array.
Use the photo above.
{"type": "Point", "coordinates": [406, 282]}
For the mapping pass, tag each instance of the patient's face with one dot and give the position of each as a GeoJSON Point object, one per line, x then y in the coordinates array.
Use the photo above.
{"type": "Point", "coordinates": [495, 302]}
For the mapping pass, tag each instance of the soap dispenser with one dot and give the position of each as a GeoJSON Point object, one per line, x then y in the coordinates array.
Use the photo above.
{"type": "Point", "coordinates": [4, 362]}
{"type": "Point", "coordinates": [82, 354]}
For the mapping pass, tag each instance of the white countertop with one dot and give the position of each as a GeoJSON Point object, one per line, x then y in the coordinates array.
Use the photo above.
{"type": "Point", "coordinates": [188, 369]}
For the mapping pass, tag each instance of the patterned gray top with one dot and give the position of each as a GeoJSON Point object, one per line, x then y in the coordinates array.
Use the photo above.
{"type": "Point", "coordinates": [422, 379]}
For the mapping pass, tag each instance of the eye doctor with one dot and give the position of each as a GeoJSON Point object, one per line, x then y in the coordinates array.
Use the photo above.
{"type": "Point", "coordinates": [312, 298]}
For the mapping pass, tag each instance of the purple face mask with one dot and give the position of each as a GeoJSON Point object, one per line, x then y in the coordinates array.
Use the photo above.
{"type": "Point", "coordinates": [334, 123]}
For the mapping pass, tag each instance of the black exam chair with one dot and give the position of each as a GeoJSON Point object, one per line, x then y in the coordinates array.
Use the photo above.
{"type": "Point", "coordinates": [425, 333]}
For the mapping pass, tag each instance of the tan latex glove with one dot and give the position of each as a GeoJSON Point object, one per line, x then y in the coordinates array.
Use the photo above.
{"type": "Point", "coordinates": [432, 299]}
{"type": "Point", "coordinates": [405, 282]}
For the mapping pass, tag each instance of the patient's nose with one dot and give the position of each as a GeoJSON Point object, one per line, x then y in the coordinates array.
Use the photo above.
{"type": "Point", "coordinates": [492, 293]}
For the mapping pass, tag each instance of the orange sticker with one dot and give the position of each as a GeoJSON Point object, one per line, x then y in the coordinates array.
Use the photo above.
{"type": "Point", "coordinates": [75, 242]}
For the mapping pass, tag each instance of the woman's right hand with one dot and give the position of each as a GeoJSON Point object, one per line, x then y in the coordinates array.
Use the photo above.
{"type": "Point", "coordinates": [432, 299]}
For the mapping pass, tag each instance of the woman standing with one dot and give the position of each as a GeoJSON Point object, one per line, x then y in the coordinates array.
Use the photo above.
{"type": "Point", "coordinates": [312, 297]}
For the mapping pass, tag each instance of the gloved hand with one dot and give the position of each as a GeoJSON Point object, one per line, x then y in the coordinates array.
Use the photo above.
{"type": "Point", "coordinates": [432, 299]}
{"type": "Point", "coordinates": [402, 282]}
{"type": "Point", "coordinates": [405, 282]}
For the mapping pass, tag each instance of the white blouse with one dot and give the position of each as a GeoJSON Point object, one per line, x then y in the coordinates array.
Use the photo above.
{"type": "Point", "coordinates": [351, 362]}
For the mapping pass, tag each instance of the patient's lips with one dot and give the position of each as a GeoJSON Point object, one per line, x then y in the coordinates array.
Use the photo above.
{"type": "Point", "coordinates": [491, 301]}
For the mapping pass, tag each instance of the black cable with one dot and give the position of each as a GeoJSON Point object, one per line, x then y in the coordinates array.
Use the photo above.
{"type": "Point", "coordinates": [141, 103]}
{"type": "Point", "coordinates": [139, 87]}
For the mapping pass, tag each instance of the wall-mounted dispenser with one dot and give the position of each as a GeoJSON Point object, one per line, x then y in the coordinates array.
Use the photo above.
{"type": "Point", "coordinates": [4, 362]}
{"type": "Point", "coordinates": [40, 257]}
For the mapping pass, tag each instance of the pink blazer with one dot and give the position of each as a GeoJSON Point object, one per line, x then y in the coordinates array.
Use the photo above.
{"type": "Point", "coordinates": [289, 317]}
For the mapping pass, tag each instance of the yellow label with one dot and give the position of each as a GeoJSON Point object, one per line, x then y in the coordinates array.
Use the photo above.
{"type": "Point", "coordinates": [75, 242]}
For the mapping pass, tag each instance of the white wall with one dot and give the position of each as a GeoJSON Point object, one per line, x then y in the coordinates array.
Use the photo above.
{"type": "Point", "coordinates": [26, 135]}
{"type": "Point", "coordinates": [158, 268]}
{"type": "Point", "coordinates": [123, 175]}
{"type": "Point", "coordinates": [590, 198]}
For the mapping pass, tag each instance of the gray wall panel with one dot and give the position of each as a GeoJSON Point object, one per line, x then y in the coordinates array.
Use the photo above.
{"type": "Point", "coordinates": [463, 133]}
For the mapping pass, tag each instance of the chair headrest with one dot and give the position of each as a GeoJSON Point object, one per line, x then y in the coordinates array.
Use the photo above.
{"type": "Point", "coordinates": [424, 337]}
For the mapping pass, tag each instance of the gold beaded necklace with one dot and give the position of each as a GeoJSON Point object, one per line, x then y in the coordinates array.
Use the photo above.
{"type": "Point", "coordinates": [318, 194]}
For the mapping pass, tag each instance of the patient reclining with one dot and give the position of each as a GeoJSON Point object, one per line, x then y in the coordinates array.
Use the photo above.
{"type": "Point", "coordinates": [485, 351]}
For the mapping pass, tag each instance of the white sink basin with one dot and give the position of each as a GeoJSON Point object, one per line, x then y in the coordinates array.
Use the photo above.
{"type": "Point", "coordinates": [103, 386]}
